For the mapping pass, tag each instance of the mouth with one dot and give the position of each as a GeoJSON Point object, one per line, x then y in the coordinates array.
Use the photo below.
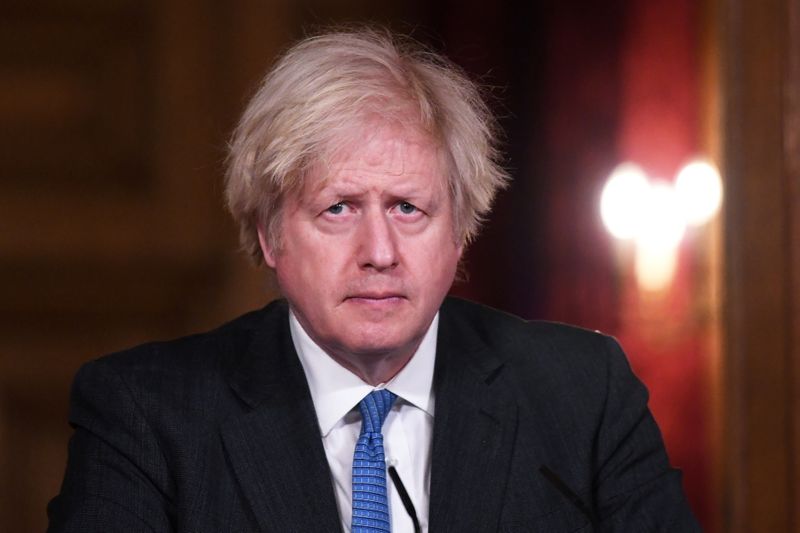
{"type": "Point", "coordinates": [374, 295]}
{"type": "Point", "coordinates": [375, 298]}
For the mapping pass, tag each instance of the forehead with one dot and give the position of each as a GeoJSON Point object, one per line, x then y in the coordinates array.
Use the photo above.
{"type": "Point", "coordinates": [378, 148]}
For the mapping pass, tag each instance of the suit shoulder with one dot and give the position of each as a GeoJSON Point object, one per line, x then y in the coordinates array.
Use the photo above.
{"type": "Point", "coordinates": [179, 387]}
{"type": "Point", "coordinates": [500, 329]}
{"type": "Point", "coordinates": [210, 352]}
{"type": "Point", "coordinates": [541, 361]}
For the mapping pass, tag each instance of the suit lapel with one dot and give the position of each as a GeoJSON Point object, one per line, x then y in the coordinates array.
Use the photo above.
{"type": "Point", "coordinates": [274, 445]}
{"type": "Point", "coordinates": [474, 429]}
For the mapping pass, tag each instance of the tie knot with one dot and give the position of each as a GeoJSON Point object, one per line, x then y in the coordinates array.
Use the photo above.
{"type": "Point", "coordinates": [374, 408]}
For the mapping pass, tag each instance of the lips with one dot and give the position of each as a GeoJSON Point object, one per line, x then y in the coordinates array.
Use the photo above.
{"type": "Point", "coordinates": [376, 299]}
{"type": "Point", "coordinates": [374, 296]}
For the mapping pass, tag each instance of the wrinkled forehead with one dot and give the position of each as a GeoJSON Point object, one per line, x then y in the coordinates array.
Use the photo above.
{"type": "Point", "coordinates": [389, 147]}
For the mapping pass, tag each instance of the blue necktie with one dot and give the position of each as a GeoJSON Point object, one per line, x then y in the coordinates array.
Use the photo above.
{"type": "Point", "coordinates": [370, 503]}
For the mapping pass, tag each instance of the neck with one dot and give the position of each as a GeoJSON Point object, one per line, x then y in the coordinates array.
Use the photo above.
{"type": "Point", "coordinates": [374, 369]}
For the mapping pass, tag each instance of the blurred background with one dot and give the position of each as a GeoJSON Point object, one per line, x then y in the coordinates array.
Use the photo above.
{"type": "Point", "coordinates": [114, 119]}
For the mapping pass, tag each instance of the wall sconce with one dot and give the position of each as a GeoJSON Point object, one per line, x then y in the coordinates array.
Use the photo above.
{"type": "Point", "coordinates": [655, 214]}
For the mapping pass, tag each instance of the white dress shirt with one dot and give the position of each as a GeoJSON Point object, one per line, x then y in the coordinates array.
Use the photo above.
{"type": "Point", "coordinates": [407, 430]}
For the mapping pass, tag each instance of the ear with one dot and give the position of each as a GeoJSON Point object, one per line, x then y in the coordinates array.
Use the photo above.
{"type": "Point", "coordinates": [267, 249]}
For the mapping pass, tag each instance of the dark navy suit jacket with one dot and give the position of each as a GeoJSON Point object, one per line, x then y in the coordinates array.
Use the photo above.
{"type": "Point", "coordinates": [538, 427]}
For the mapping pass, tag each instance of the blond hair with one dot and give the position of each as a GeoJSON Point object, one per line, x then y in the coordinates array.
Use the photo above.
{"type": "Point", "coordinates": [330, 81]}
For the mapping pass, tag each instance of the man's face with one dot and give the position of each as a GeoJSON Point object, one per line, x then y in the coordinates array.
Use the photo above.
{"type": "Point", "coordinates": [368, 251]}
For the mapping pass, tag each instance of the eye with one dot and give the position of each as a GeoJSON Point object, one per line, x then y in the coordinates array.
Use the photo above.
{"type": "Point", "coordinates": [336, 209]}
{"type": "Point", "coordinates": [407, 208]}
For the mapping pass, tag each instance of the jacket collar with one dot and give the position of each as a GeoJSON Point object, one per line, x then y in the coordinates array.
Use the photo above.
{"type": "Point", "coordinates": [474, 427]}
{"type": "Point", "coordinates": [274, 444]}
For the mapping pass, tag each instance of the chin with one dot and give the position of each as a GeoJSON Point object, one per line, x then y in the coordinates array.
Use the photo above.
{"type": "Point", "coordinates": [380, 341]}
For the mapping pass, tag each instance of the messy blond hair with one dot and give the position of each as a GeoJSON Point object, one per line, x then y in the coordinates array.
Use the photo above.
{"type": "Point", "coordinates": [330, 81]}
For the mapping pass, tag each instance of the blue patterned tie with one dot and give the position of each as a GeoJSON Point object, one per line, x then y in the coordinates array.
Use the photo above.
{"type": "Point", "coordinates": [370, 504]}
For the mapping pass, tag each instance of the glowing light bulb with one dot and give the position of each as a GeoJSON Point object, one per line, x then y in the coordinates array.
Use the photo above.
{"type": "Point", "coordinates": [699, 188]}
{"type": "Point", "coordinates": [662, 225]}
{"type": "Point", "coordinates": [621, 200]}
{"type": "Point", "coordinates": [655, 215]}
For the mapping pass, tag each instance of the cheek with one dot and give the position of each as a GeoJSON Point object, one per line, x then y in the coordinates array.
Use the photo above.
{"type": "Point", "coordinates": [307, 269]}
{"type": "Point", "coordinates": [435, 260]}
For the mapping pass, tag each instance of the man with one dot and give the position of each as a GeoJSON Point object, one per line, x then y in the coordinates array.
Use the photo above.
{"type": "Point", "coordinates": [365, 400]}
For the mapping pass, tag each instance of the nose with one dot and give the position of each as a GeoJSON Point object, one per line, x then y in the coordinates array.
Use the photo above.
{"type": "Point", "coordinates": [377, 246]}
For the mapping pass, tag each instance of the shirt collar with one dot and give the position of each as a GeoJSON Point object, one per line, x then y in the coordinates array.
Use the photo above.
{"type": "Point", "coordinates": [335, 390]}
